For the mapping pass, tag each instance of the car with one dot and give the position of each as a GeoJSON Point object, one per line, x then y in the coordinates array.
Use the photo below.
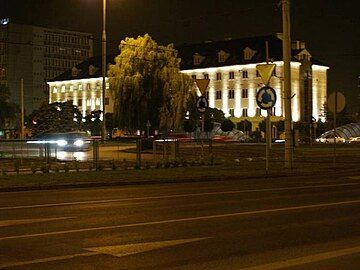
{"type": "Point", "coordinates": [355, 140]}
{"type": "Point", "coordinates": [330, 139]}
{"type": "Point", "coordinates": [66, 141]}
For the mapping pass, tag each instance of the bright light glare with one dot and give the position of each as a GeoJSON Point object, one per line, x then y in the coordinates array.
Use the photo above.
{"type": "Point", "coordinates": [61, 142]}
{"type": "Point", "coordinates": [79, 143]}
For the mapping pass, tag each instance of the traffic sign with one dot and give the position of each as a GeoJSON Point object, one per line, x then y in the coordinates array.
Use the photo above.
{"type": "Point", "coordinates": [336, 102]}
{"type": "Point", "coordinates": [265, 71]}
{"type": "Point", "coordinates": [202, 104]}
{"type": "Point", "coordinates": [202, 84]}
{"type": "Point", "coordinates": [266, 97]}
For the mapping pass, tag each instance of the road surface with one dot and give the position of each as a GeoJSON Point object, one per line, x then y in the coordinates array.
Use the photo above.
{"type": "Point", "coordinates": [296, 223]}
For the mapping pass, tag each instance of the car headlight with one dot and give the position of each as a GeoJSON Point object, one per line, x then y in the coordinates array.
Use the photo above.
{"type": "Point", "coordinates": [61, 142]}
{"type": "Point", "coordinates": [79, 143]}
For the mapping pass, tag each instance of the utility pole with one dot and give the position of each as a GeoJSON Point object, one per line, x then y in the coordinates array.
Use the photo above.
{"type": "Point", "coordinates": [22, 135]}
{"type": "Point", "coordinates": [287, 82]}
{"type": "Point", "coordinates": [103, 133]}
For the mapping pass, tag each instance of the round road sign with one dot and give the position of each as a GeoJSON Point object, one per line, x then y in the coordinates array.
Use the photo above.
{"type": "Point", "coordinates": [202, 104]}
{"type": "Point", "coordinates": [336, 102]}
{"type": "Point", "coordinates": [266, 97]}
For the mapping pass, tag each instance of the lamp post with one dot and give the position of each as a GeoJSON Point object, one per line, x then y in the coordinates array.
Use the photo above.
{"type": "Point", "coordinates": [103, 42]}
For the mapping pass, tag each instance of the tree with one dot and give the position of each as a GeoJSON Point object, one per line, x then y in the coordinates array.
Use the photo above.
{"type": "Point", "coordinates": [55, 117]}
{"type": "Point", "coordinates": [227, 125]}
{"type": "Point", "coordinates": [9, 111]}
{"type": "Point", "coordinates": [93, 123]}
{"type": "Point", "coordinates": [244, 126]}
{"type": "Point", "coordinates": [146, 84]}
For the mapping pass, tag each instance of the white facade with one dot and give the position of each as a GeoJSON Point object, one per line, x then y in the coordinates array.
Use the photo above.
{"type": "Point", "coordinates": [85, 93]}
{"type": "Point", "coordinates": [246, 82]}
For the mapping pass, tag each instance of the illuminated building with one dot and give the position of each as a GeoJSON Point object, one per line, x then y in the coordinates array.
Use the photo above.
{"type": "Point", "coordinates": [37, 54]}
{"type": "Point", "coordinates": [231, 67]}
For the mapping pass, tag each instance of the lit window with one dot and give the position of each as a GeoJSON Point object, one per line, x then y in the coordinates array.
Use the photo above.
{"type": "Point", "coordinates": [88, 102]}
{"type": "Point", "coordinates": [231, 94]}
{"type": "Point", "coordinates": [97, 102]}
{"type": "Point", "coordinates": [207, 94]}
{"type": "Point", "coordinates": [244, 93]}
{"type": "Point", "coordinates": [80, 87]}
{"type": "Point", "coordinates": [245, 112]}
{"type": "Point", "coordinates": [218, 94]}
{"type": "Point", "coordinates": [71, 88]}
{"type": "Point", "coordinates": [107, 85]}
{"type": "Point", "coordinates": [206, 76]}
{"type": "Point", "coordinates": [63, 89]}
{"type": "Point", "coordinates": [55, 90]}
{"type": "Point", "coordinates": [232, 112]}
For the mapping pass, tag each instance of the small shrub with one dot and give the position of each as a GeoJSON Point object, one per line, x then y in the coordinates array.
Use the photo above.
{"type": "Point", "coordinates": [124, 164]}
{"type": "Point", "coordinates": [45, 168]}
{"type": "Point", "coordinates": [56, 169]}
{"type": "Point", "coordinates": [158, 165]}
{"type": "Point", "coordinates": [113, 165]}
{"type": "Point", "coordinates": [137, 167]}
{"type": "Point", "coordinates": [17, 166]}
{"type": "Point", "coordinates": [76, 166]}
{"type": "Point", "coordinates": [66, 167]}
{"type": "Point", "coordinates": [100, 167]}
{"type": "Point", "coordinates": [147, 165]}
{"type": "Point", "coordinates": [33, 168]}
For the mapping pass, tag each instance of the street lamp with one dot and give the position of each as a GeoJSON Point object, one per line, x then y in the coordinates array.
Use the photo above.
{"type": "Point", "coordinates": [103, 42]}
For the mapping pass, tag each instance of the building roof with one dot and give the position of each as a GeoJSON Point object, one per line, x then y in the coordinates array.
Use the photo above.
{"type": "Point", "coordinates": [235, 48]}
{"type": "Point", "coordinates": [83, 69]}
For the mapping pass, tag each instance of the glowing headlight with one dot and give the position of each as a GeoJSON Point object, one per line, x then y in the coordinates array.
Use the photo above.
{"type": "Point", "coordinates": [61, 142]}
{"type": "Point", "coordinates": [79, 143]}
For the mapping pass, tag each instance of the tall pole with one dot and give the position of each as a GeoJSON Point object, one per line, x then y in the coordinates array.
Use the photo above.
{"type": "Point", "coordinates": [287, 82]}
{"type": "Point", "coordinates": [22, 135]}
{"type": "Point", "coordinates": [103, 133]}
{"type": "Point", "coordinates": [268, 120]}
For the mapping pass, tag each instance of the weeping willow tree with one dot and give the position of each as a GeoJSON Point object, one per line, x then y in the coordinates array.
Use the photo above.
{"type": "Point", "coordinates": [146, 85]}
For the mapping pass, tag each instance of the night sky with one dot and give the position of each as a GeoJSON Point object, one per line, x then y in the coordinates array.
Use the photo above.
{"type": "Point", "coordinates": [330, 28]}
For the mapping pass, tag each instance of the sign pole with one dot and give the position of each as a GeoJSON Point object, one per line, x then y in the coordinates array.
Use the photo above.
{"type": "Point", "coordinates": [335, 112]}
{"type": "Point", "coordinates": [268, 139]}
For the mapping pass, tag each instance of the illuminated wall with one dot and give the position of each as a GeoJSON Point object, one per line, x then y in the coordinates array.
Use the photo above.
{"type": "Point", "coordinates": [84, 93]}
{"type": "Point", "coordinates": [319, 87]}
{"type": "Point", "coordinates": [252, 83]}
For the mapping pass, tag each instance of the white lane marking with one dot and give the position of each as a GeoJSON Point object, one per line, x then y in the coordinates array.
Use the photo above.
{"type": "Point", "coordinates": [306, 259]}
{"type": "Point", "coordinates": [116, 250]}
{"type": "Point", "coordinates": [13, 222]}
{"type": "Point", "coordinates": [236, 214]}
{"type": "Point", "coordinates": [130, 249]}
{"type": "Point", "coordinates": [50, 259]}
{"type": "Point", "coordinates": [174, 196]}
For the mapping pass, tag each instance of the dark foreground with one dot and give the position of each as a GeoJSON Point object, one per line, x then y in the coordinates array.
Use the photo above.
{"type": "Point", "coordinates": [294, 223]}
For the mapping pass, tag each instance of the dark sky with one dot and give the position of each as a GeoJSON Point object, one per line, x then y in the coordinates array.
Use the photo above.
{"type": "Point", "coordinates": [330, 28]}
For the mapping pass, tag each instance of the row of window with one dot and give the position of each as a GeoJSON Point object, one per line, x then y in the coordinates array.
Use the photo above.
{"type": "Point", "coordinates": [245, 112]}
{"type": "Point", "coordinates": [67, 39]}
{"type": "Point", "coordinates": [231, 94]}
{"type": "Point", "coordinates": [66, 51]}
{"type": "Point", "coordinates": [80, 88]}
{"type": "Point", "coordinates": [61, 63]}
{"type": "Point", "coordinates": [244, 74]}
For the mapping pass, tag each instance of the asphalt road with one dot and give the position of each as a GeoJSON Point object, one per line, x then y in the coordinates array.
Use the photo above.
{"type": "Point", "coordinates": [297, 223]}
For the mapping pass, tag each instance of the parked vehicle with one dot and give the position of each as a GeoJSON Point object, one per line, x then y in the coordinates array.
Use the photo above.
{"type": "Point", "coordinates": [355, 140]}
{"type": "Point", "coordinates": [330, 139]}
